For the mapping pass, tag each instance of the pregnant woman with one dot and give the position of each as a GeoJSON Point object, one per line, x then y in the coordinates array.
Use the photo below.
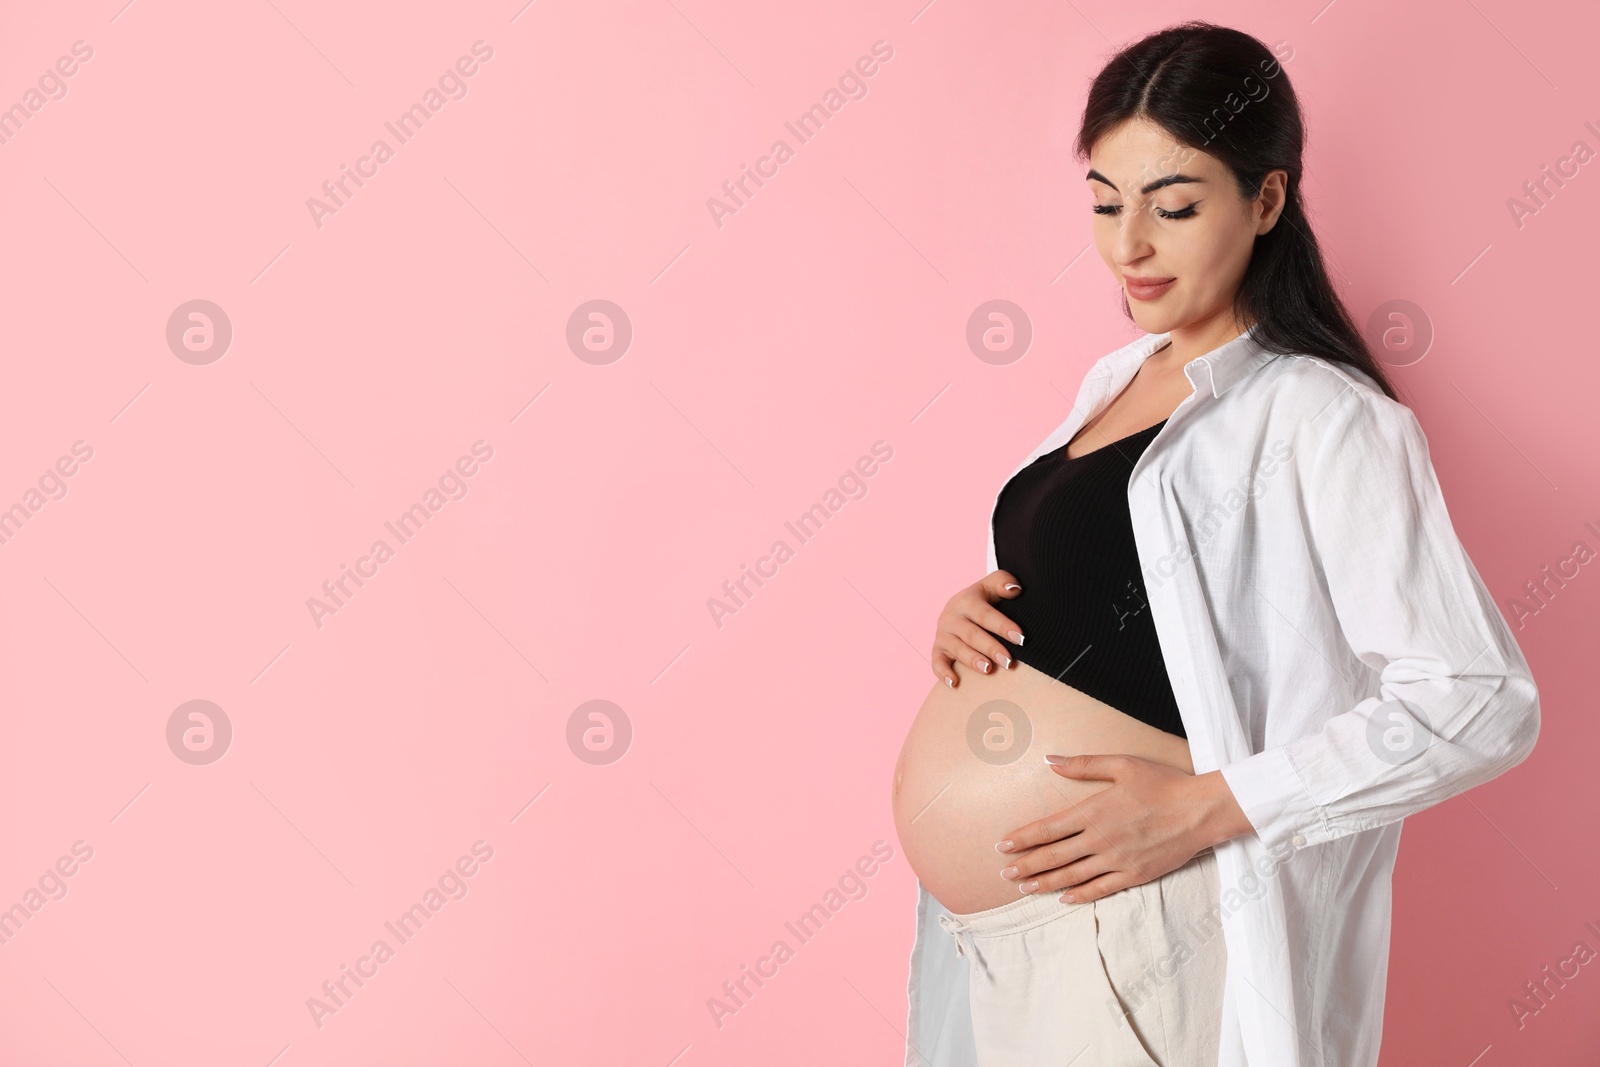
{"type": "Point", "coordinates": [1154, 805]}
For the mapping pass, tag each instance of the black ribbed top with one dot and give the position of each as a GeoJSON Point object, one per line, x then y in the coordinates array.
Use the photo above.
{"type": "Point", "coordinates": [1063, 527]}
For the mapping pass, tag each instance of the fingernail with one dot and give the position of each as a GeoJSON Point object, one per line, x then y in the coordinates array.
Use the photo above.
{"type": "Point", "coordinates": [1012, 585]}
{"type": "Point", "coordinates": [984, 667]}
{"type": "Point", "coordinates": [951, 682]}
{"type": "Point", "coordinates": [1006, 663]}
{"type": "Point", "coordinates": [1009, 872]}
{"type": "Point", "coordinates": [1016, 638]}
{"type": "Point", "coordinates": [1055, 759]}
{"type": "Point", "coordinates": [1028, 887]}
{"type": "Point", "coordinates": [1003, 846]}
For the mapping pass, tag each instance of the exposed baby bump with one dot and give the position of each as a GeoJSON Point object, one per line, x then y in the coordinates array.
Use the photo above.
{"type": "Point", "coordinates": [972, 770]}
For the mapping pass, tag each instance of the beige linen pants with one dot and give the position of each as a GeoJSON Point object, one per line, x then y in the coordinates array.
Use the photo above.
{"type": "Point", "coordinates": [1134, 979]}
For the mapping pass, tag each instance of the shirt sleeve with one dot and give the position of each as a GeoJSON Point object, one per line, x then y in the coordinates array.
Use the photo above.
{"type": "Point", "coordinates": [1456, 703]}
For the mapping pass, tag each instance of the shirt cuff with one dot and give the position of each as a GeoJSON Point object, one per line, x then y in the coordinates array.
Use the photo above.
{"type": "Point", "coordinates": [1276, 801]}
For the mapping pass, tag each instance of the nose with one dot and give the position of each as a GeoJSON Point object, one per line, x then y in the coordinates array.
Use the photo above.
{"type": "Point", "coordinates": [1133, 236]}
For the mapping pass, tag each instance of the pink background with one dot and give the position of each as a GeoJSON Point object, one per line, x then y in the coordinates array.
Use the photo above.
{"type": "Point", "coordinates": [768, 354]}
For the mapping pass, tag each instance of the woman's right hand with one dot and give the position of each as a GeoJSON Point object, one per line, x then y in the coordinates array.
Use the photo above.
{"type": "Point", "coordinates": [968, 625]}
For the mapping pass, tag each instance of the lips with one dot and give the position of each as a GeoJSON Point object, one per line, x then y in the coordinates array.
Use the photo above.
{"type": "Point", "coordinates": [1147, 288]}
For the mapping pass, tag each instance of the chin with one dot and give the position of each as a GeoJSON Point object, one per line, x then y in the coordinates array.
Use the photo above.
{"type": "Point", "coordinates": [1152, 322]}
{"type": "Point", "coordinates": [1147, 318]}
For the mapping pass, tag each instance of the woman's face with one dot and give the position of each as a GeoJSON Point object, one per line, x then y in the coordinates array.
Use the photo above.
{"type": "Point", "coordinates": [1169, 213]}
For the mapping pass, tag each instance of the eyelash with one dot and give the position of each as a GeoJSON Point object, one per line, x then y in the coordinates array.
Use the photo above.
{"type": "Point", "coordinates": [1112, 209]}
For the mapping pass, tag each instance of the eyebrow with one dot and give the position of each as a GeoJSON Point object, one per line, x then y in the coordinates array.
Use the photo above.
{"type": "Point", "coordinates": [1159, 183]}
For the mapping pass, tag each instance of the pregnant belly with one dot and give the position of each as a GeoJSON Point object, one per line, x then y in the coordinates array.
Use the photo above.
{"type": "Point", "coordinates": [972, 770]}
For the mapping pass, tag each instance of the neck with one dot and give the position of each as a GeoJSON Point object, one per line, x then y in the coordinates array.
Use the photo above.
{"type": "Point", "coordinates": [1191, 341]}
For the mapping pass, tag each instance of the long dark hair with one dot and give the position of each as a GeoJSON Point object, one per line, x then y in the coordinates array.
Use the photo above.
{"type": "Point", "coordinates": [1223, 92]}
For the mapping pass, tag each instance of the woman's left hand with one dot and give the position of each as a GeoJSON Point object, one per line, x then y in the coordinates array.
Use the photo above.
{"type": "Point", "coordinates": [1153, 819]}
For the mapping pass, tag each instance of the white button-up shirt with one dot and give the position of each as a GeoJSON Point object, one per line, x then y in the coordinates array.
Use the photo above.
{"type": "Point", "coordinates": [1332, 650]}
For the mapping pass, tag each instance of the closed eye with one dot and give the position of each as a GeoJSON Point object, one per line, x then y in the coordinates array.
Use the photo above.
{"type": "Point", "coordinates": [1112, 209]}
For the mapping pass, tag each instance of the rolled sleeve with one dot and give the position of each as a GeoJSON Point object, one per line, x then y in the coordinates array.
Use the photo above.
{"type": "Point", "coordinates": [1456, 703]}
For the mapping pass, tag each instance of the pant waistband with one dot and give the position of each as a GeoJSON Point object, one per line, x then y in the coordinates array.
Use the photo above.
{"type": "Point", "coordinates": [1040, 906]}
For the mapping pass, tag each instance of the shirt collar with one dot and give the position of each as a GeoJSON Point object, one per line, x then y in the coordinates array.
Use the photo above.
{"type": "Point", "coordinates": [1216, 372]}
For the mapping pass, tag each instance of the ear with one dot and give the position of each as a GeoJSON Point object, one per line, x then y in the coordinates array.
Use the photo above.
{"type": "Point", "coordinates": [1271, 200]}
